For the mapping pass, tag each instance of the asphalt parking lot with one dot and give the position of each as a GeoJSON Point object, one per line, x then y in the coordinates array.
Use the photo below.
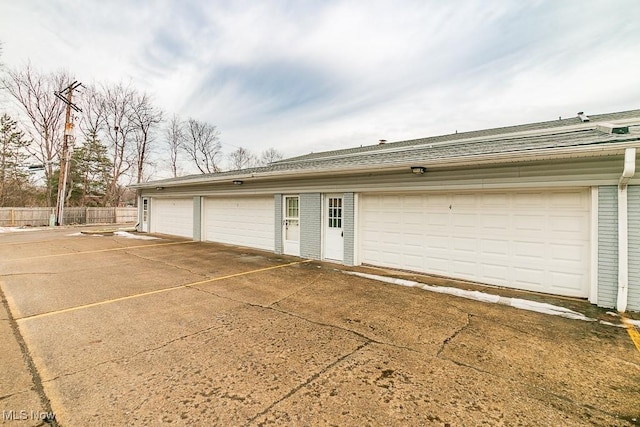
{"type": "Point", "coordinates": [111, 330]}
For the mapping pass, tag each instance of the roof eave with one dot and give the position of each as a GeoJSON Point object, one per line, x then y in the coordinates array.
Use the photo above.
{"type": "Point", "coordinates": [463, 161]}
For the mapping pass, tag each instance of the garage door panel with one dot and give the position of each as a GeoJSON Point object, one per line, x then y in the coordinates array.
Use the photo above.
{"type": "Point", "coordinates": [564, 281]}
{"type": "Point", "coordinates": [529, 250]}
{"type": "Point", "coordinates": [463, 244]}
{"type": "Point", "coordinates": [413, 218]}
{"type": "Point", "coordinates": [495, 272]}
{"type": "Point", "coordinates": [567, 252]}
{"type": "Point", "coordinates": [493, 200]}
{"type": "Point", "coordinates": [243, 221]}
{"type": "Point", "coordinates": [490, 247]}
{"type": "Point", "coordinates": [464, 269]}
{"type": "Point", "coordinates": [535, 240]}
{"type": "Point", "coordinates": [413, 261]}
{"type": "Point", "coordinates": [413, 202]}
{"type": "Point", "coordinates": [535, 223]}
{"type": "Point", "coordinates": [465, 220]}
{"type": "Point", "coordinates": [529, 278]}
{"type": "Point", "coordinates": [570, 199]}
{"type": "Point", "coordinates": [438, 219]}
{"type": "Point", "coordinates": [436, 242]}
{"type": "Point", "coordinates": [566, 224]}
{"type": "Point", "coordinates": [527, 200]}
{"type": "Point", "coordinates": [494, 222]}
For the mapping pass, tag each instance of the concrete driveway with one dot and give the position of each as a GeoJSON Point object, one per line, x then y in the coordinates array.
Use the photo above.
{"type": "Point", "coordinates": [110, 330]}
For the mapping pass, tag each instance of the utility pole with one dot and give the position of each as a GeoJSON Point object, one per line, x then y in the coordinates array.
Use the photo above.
{"type": "Point", "coordinates": [66, 96]}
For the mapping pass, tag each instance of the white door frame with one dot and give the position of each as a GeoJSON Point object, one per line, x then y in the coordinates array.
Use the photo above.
{"type": "Point", "coordinates": [333, 227]}
{"type": "Point", "coordinates": [291, 226]}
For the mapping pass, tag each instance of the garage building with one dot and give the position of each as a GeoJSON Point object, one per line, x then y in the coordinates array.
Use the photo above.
{"type": "Point", "coordinates": [550, 207]}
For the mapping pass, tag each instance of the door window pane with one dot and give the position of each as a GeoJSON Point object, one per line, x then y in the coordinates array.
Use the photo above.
{"type": "Point", "coordinates": [335, 212]}
{"type": "Point", "coordinates": [145, 209]}
{"type": "Point", "coordinates": [292, 207]}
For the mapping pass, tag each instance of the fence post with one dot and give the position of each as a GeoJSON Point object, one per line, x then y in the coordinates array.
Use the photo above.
{"type": "Point", "coordinates": [13, 217]}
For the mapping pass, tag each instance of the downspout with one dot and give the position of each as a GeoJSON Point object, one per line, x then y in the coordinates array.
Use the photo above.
{"type": "Point", "coordinates": [623, 229]}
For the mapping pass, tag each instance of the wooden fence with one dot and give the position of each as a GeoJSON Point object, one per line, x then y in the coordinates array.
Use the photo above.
{"type": "Point", "coordinates": [37, 217]}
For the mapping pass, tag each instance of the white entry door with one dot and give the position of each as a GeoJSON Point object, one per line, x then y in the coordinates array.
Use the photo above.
{"type": "Point", "coordinates": [333, 233]}
{"type": "Point", "coordinates": [291, 226]}
{"type": "Point", "coordinates": [144, 222]}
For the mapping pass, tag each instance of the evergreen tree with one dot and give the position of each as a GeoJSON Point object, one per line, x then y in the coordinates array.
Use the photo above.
{"type": "Point", "coordinates": [14, 178]}
{"type": "Point", "coordinates": [90, 173]}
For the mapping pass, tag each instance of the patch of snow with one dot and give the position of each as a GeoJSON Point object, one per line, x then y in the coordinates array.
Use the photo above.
{"type": "Point", "coordinates": [76, 234]}
{"type": "Point", "coordinates": [474, 295]}
{"type": "Point", "coordinates": [617, 325]}
{"type": "Point", "coordinates": [538, 307]}
{"type": "Point", "coordinates": [16, 229]}
{"type": "Point", "coordinates": [632, 322]}
{"type": "Point", "coordinates": [128, 235]}
{"type": "Point", "coordinates": [543, 307]}
{"type": "Point", "coordinates": [611, 313]}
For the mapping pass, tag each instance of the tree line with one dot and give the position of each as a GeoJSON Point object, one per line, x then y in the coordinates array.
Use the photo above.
{"type": "Point", "coordinates": [121, 137]}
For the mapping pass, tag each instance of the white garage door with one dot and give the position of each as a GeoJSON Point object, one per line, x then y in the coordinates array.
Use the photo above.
{"type": "Point", "coordinates": [243, 221]}
{"type": "Point", "coordinates": [172, 216]}
{"type": "Point", "coordinates": [535, 240]}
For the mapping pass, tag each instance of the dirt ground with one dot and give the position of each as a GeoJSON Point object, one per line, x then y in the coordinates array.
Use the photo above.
{"type": "Point", "coordinates": [108, 330]}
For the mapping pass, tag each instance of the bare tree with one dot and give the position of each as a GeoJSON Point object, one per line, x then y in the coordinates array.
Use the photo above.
{"type": "Point", "coordinates": [145, 118]}
{"type": "Point", "coordinates": [202, 145]}
{"type": "Point", "coordinates": [270, 155]}
{"type": "Point", "coordinates": [120, 137]}
{"type": "Point", "coordinates": [34, 93]}
{"type": "Point", "coordinates": [93, 119]}
{"type": "Point", "coordinates": [242, 158]}
{"type": "Point", "coordinates": [175, 137]}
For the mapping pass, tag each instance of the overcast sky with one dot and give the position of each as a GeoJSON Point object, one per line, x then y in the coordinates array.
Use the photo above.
{"type": "Point", "coordinates": [311, 75]}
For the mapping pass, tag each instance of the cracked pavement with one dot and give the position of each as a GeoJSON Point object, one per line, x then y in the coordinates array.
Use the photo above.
{"type": "Point", "coordinates": [303, 344]}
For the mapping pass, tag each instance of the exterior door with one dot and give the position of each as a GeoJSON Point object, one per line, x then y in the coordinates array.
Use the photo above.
{"type": "Point", "coordinates": [144, 223]}
{"type": "Point", "coordinates": [333, 233]}
{"type": "Point", "coordinates": [291, 226]}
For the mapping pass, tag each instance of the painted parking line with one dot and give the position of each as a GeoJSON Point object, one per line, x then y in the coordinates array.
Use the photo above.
{"type": "Point", "coordinates": [102, 250]}
{"type": "Point", "coordinates": [144, 294]}
{"type": "Point", "coordinates": [29, 242]}
{"type": "Point", "coordinates": [633, 332]}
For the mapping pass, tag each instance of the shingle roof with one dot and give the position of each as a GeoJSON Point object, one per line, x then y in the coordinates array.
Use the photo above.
{"type": "Point", "coordinates": [518, 140]}
{"type": "Point", "coordinates": [495, 132]}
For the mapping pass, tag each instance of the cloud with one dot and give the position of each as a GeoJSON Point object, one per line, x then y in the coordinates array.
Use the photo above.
{"type": "Point", "coordinates": [310, 75]}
